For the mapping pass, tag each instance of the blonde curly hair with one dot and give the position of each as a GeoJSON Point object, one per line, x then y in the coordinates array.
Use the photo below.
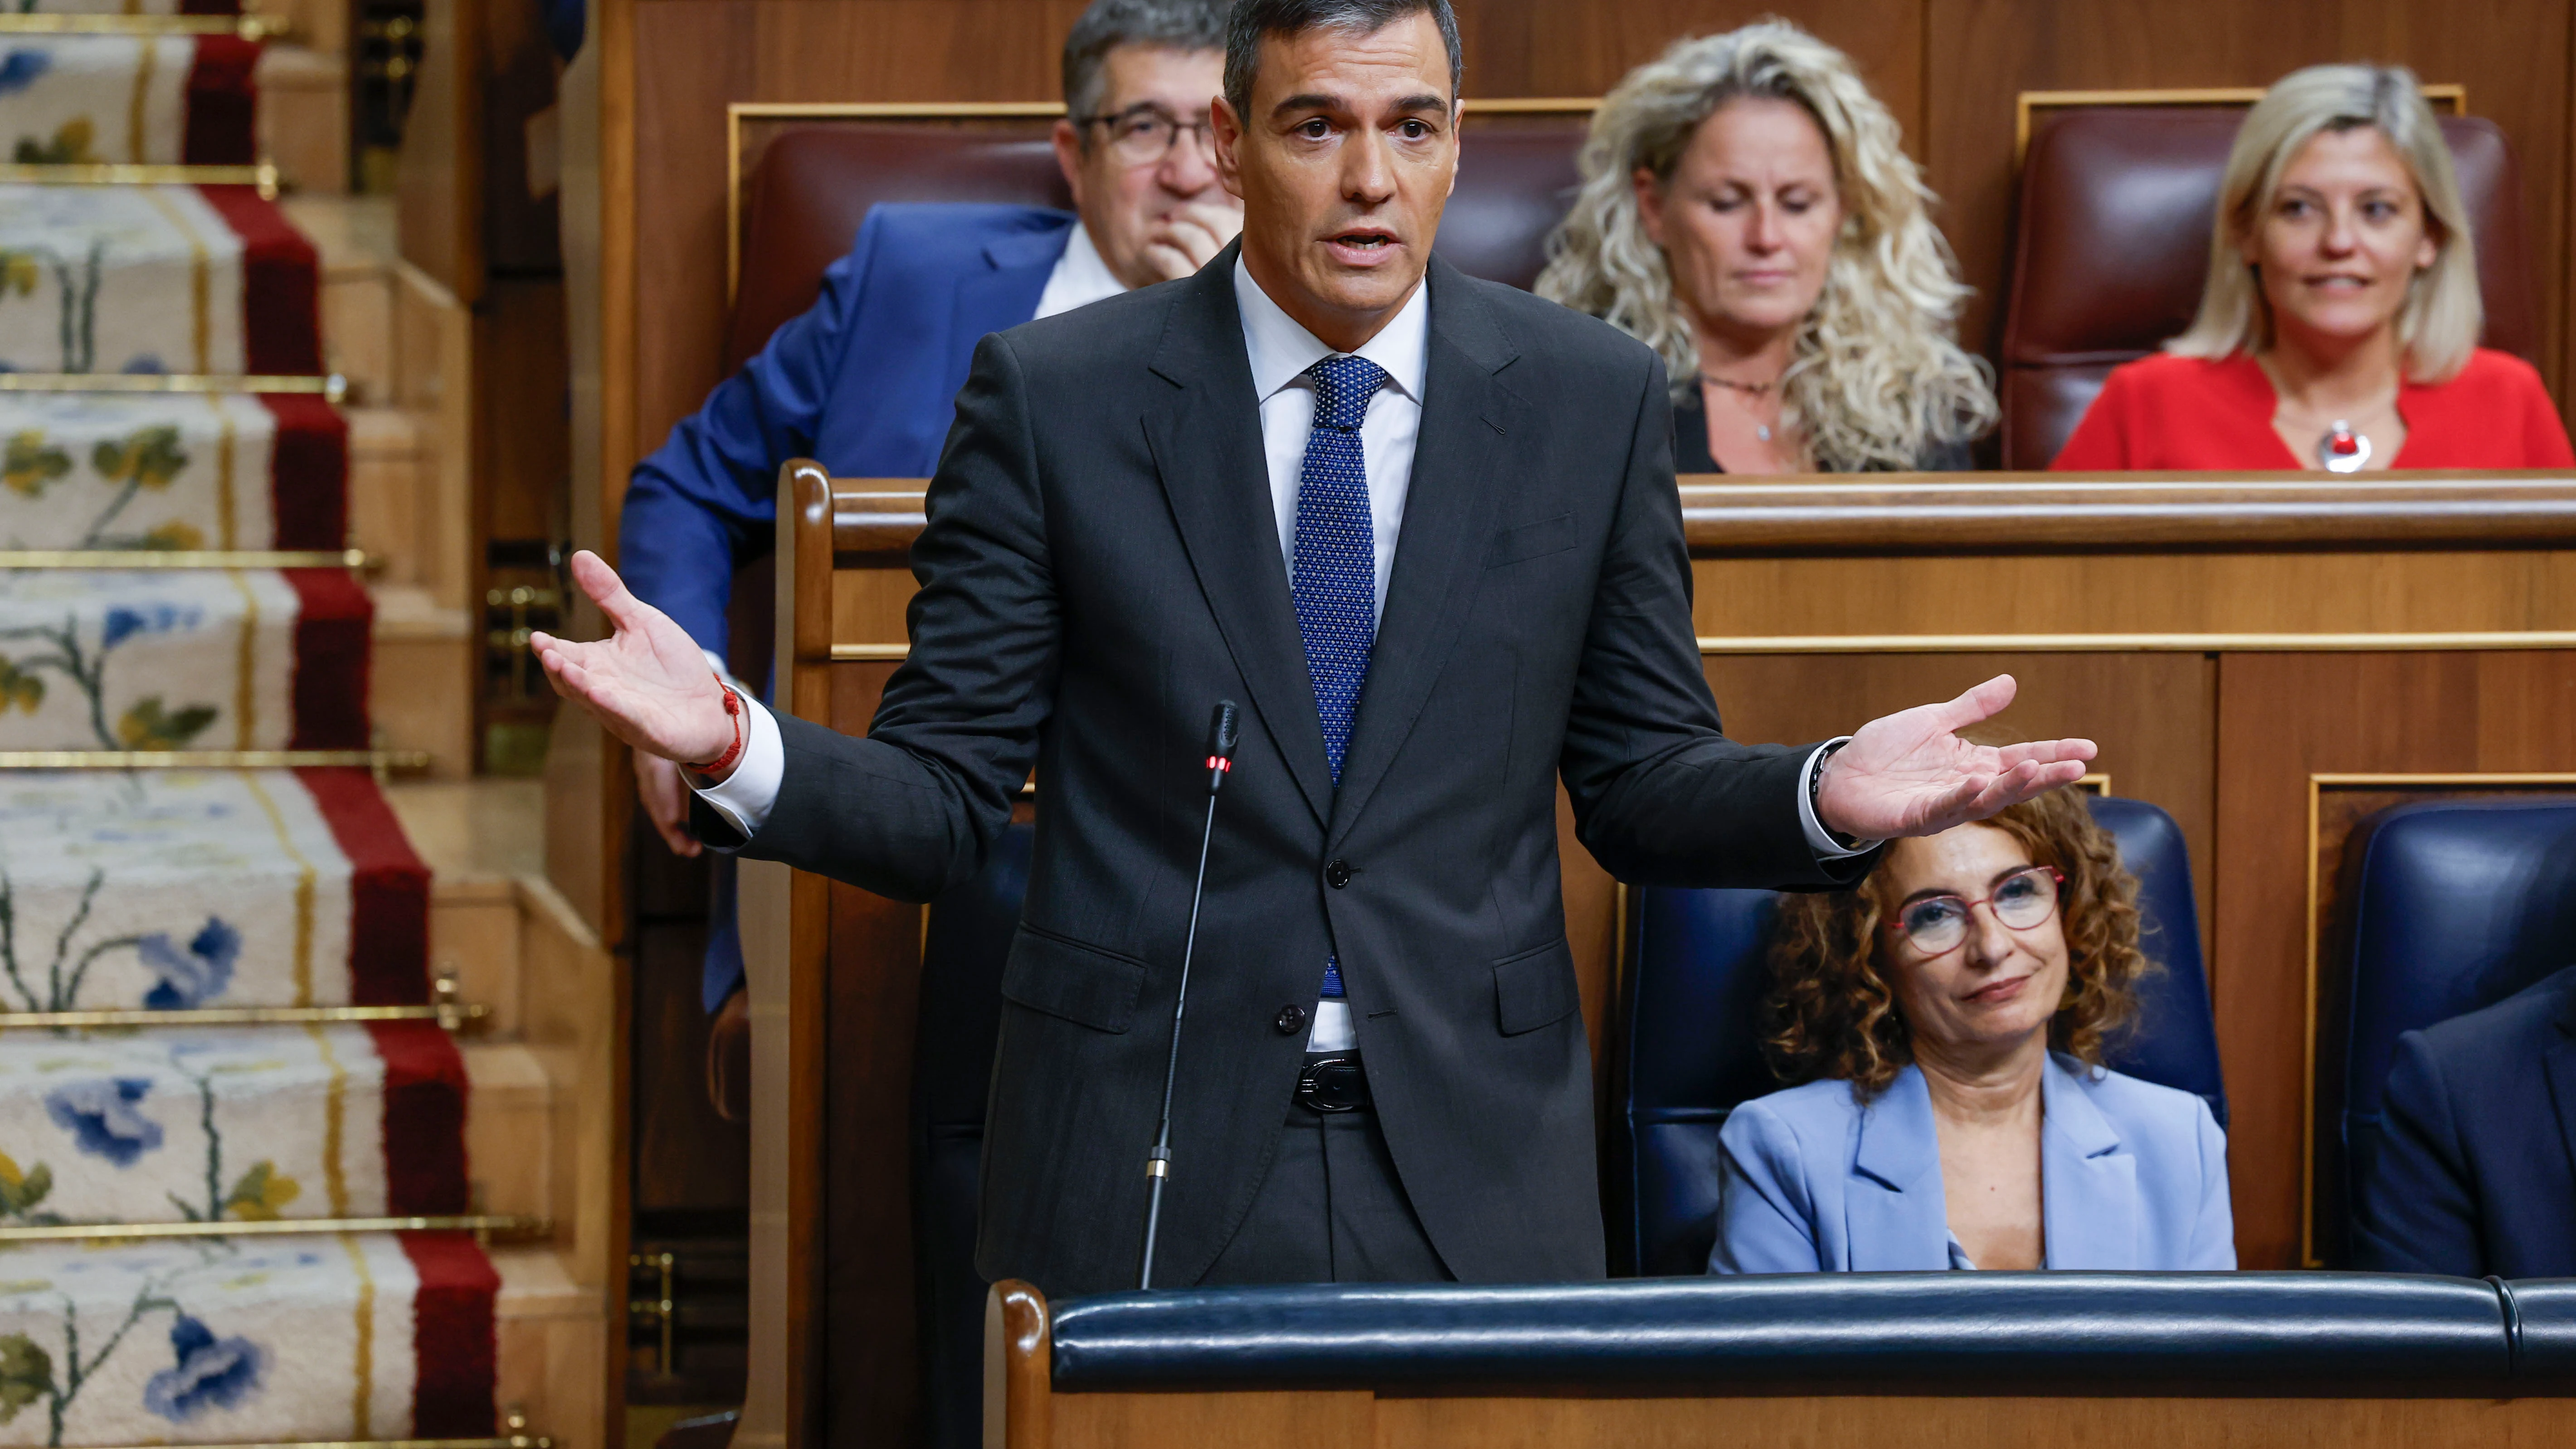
{"type": "Point", "coordinates": [1877, 378]}
{"type": "Point", "coordinates": [1831, 1012]}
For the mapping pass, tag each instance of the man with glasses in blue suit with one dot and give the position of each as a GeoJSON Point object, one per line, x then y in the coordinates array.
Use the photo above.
{"type": "Point", "coordinates": [863, 382]}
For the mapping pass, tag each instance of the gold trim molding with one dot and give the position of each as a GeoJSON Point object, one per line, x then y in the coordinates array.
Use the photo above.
{"type": "Point", "coordinates": [2318, 783]}
{"type": "Point", "coordinates": [119, 173]}
{"type": "Point", "coordinates": [486, 1225]}
{"type": "Point", "coordinates": [2450, 96]}
{"type": "Point", "coordinates": [514, 1441]}
{"type": "Point", "coordinates": [333, 388]}
{"type": "Point", "coordinates": [454, 1016]}
{"type": "Point", "coordinates": [396, 761]}
{"type": "Point", "coordinates": [2037, 644]}
{"type": "Point", "coordinates": [740, 111]}
{"type": "Point", "coordinates": [248, 27]}
{"type": "Point", "coordinates": [109, 559]}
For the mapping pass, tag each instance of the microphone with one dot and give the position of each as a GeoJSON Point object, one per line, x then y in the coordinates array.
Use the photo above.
{"type": "Point", "coordinates": [1222, 735]}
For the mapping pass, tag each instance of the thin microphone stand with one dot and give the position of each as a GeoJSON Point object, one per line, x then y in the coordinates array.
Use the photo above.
{"type": "Point", "coordinates": [1158, 1163]}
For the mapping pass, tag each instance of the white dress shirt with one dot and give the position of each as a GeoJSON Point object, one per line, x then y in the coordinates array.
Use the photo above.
{"type": "Point", "coordinates": [1080, 277]}
{"type": "Point", "coordinates": [1281, 352]}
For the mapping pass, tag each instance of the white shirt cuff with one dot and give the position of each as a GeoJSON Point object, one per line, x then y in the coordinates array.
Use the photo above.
{"type": "Point", "coordinates": [1825, 846]}
{"type": "Point", "coordinates": [748, 794]}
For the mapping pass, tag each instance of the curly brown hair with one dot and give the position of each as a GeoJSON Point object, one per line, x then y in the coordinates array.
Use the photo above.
{"type": "Point", "coordinates": [1830, 1012]}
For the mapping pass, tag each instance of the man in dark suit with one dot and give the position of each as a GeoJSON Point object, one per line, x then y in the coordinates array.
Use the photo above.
{"type": "Point", "coordinates": [863, 382]}
{"type": "Point", "coordinates": [2475, 1171]}
{"type": "Point", "coordinates": [1426, 528]}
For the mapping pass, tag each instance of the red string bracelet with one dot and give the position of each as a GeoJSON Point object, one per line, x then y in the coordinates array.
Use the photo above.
{"type": "Point", "coordinates": [733, 711]}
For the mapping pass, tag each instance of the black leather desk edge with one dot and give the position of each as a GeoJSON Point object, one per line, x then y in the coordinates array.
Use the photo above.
{"type": "Point", "coordinates": [2265, 1335]}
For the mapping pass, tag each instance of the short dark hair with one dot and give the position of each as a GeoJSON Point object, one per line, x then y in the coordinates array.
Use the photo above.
{"type": "Point", "coordinates": [1256, 20]}
{"type": "Point", "coordinates": [1109, 24]}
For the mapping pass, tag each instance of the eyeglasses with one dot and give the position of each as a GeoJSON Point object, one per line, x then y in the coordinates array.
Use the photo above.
{"type": "Point", "coordinates": [1143, 135]}
{"type": "Point", "coordinates": [1938, 925]}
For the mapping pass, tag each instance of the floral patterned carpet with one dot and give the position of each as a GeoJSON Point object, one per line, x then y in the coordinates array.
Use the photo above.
{"type": "Point", "coordinates": [177, 891]}
{"type": "Point", "coordinates": [200, 659]}
{"type": "Point", "coordinates": [214, 471]}
{"type": "Point", "coordinates": [326, 1337]}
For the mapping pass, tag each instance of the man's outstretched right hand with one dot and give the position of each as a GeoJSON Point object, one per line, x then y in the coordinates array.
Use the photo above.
{"type": "Point", "coordinates": [647, 682]}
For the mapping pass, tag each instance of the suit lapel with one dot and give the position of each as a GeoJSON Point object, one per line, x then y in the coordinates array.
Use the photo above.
{"type": "Point", "coordinates": [1895, 1218]}
{"type": "Point", "coordinates": [1207, 449]}
{"type": "Point", "coordinates": [1005, 294]}
{"type": "Point", "coordinates": [2088, 1186]}
{"type": "Point", "coordinates": [1458, 459]}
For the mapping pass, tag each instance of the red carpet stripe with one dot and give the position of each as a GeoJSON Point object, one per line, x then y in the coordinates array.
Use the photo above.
{"type": "Point", "coordinates": [388, 890]}
{"type": "Point", "coordinates": [452, 1337]}
{"type": "Point", "coordinates": [425, 1106]}
{"type": "Point", "coordinates": [281, 283]}
{"type": "Point", "coordinates": [333, 622]}
{"type": "Point", "coordinates": [308, 472]}
{"type": "Point", "coordinates": [223, 103]}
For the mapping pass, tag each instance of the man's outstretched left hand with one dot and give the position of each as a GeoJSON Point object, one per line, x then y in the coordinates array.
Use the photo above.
{"type": "Point", "coordinates": [1911, 774]}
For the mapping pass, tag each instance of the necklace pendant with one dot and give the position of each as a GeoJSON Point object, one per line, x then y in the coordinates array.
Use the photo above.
{"type": "Point", "coordinates": [1762, 431]}
{"type": "Point", "coordinates": [2341, 450]}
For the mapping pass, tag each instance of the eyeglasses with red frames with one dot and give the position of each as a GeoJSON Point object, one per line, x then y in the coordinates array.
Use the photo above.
{"type": "Point", "coordinates": [1938, 925]}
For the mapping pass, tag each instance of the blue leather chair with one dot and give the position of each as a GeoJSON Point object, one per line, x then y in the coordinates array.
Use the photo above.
{"type": "Point", "coordinates": [963, 948]}
{"type": "Point", "coordinates": [2451, 906]}
{"type": "Point", "coordinates": [1693, 1050]}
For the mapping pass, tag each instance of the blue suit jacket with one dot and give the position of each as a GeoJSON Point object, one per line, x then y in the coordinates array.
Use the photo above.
{"type": "Point", "coordinates": [864, 382]}
{"type": "Point", "coordinates": [2476, 1167]}
{"type": "Point", "coordinates": [2132, 1175]}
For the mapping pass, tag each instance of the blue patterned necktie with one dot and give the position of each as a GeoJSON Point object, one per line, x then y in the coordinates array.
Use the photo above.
{"type": "Point", "coordinates": [1335, 578]}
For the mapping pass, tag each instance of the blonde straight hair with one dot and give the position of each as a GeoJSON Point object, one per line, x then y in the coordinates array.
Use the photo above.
{"type": "Point", "coordinates": [2438, 326]}
{"type": "Point", "coordinates": [1876, 378]}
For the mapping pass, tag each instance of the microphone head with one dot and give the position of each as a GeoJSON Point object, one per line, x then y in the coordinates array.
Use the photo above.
{"type": "Point", "coordinates": [1223, 731]}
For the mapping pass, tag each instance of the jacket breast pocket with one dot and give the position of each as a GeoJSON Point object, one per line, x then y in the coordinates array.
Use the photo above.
{"type": "Point", "coordinates": [1531, 540]}
{"type": "Point", "coordinates": [1065, 978]}
{"type": "Point", "coordinates": [1534, 988]}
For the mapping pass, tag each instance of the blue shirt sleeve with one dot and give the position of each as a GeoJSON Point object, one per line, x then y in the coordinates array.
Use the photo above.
{"type": "Point", "coordinates": [707, 500]}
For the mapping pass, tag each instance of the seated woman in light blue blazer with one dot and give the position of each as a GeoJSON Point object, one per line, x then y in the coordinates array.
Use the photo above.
{"type": "Point", "coordinates": [1950, 1014]}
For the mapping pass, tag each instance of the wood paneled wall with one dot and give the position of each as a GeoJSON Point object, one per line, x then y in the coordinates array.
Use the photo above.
{"type": "Point", "coordinates": [1948, 69]}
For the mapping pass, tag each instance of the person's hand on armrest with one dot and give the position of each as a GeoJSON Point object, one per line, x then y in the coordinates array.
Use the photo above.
{"type": "Point", "coordinates": [1911, 774]}
{"type": "Point", "coordinates": [647, 682]}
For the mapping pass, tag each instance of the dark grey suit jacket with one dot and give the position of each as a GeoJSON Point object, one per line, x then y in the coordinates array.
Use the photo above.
{"type": "Point", "coordinates": [1101, 565]}
{"type": "Point", "coordinates": [2474, 1170]}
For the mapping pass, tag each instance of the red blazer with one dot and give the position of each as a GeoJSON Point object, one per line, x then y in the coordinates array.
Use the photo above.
{"type": "Point", "coordinates": [2188, 413]}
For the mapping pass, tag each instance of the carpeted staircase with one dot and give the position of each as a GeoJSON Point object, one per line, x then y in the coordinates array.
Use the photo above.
{"type": "Point", "coordinates": [225, 1058]}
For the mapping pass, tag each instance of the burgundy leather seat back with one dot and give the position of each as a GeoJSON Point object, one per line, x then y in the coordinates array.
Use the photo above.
{"type": "Point", "coordinates": [814, 184]}
{"type": "Point", "coordinates": [2112, 246]}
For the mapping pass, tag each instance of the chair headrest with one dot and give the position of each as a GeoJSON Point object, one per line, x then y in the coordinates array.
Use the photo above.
{"type": "Point", "coordinates": [2457, 905]}
{"type": "Point", "coordinates": [813, 185]}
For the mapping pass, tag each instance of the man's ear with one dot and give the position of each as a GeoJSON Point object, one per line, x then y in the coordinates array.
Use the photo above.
{"type": "Point", "coordinates": [1068, 158]}
{"type": "Point", "coordinates": [1225, 128]}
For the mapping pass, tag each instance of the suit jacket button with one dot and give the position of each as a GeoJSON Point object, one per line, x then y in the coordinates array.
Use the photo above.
{"type": "Point", "coordinates": [1291, 1019]}
{"type": "Point", "coordinates": [1338, 874]}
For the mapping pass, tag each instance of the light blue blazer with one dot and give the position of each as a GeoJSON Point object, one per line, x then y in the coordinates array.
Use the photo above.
{"type": "Point", "coordinates": [2132, 1175]}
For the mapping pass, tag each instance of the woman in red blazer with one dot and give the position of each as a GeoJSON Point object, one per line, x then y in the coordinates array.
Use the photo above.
{"type": "Point", "coordinates": [2339, 326]}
